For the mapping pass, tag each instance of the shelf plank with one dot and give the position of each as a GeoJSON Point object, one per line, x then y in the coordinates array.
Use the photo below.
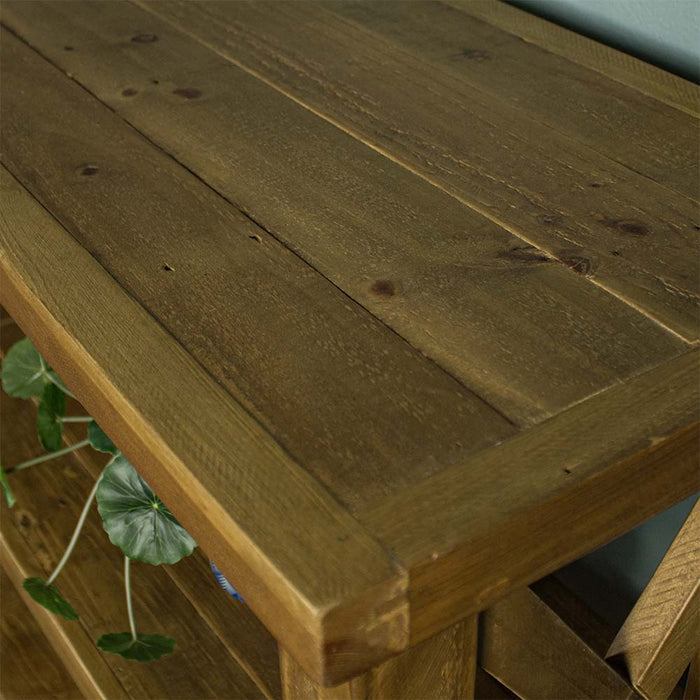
{"type": "Point", "coordinates": [29, 667]}
{"type": "Point", "coordinates": [617, 228]}
{"type": "Point", "coordinates": [610, 62]}
{"type": "Point", "coordinates": [347, 398]}
{"type": "Point", "coordinates": [551, 88]}
{"type": "Point", "coordinates": [477, 299]}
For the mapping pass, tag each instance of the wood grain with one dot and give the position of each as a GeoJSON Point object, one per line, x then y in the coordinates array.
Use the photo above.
{"type": "Point", "coordinates": [620, 66]}
{"type": "Point", "coordinates": [34, 532]}
{"type": "Point", "coordinates": [560, 93]}
{"type": "Point", "coordinates": [347, 398]}
{"type": "Point", "coordinates": [439, 668]}
{"type": "Point", "coordinates": [580, 207]}
{"type": "Point", "coordinates": [29, 667]}
{"type": "Point", "coordinates": [662, 633]}
{"type": "Point", "coordinates": [529, 649]}
{"type": "Point", "coordinates": [458, 287]}
{"type": "Point", "coordinates": [526, 507]}
{"type": "Point", "coordinates": [225, 479]}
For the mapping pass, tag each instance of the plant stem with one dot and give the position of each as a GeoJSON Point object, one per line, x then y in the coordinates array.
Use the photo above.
{"type": "Point", "coordinates": [46, 458]}
{"type": "Point", "coordinates": [76, 419]}
{"type": "Point", "coordinates": [76, 534]}
{"type": "Point", "coordinates": [62, 387]}
{"type": "Point", "coordinates": [127, 588]}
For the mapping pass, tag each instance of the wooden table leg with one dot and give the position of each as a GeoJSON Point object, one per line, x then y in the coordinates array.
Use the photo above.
{"type": "Point", "coordinates": [440, 668]}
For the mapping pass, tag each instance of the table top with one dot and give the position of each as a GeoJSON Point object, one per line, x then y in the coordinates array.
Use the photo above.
{"type": "Point", "coordinates": [394, 304]}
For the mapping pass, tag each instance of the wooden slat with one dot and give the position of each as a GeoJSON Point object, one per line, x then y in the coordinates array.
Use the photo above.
{"type": "Point", "coordinates": [529, 649]}
{"type": "Point", "coordinates": [34, 532]}
{"type": "Point", "coordinates": [659, 140]}
{"type": "Point", "coordinates": [615, 64]}
{"type": "Point", "coordinates": [29, 667]}
{"type": "Point", "coordinates": [440, 668]}
{"type": "Point", "coordinates": [254, 511]}
{"type": "Point", "coordinates": [619, 229]}
{"type": "Point", "coordinates": [347, 398]}
{"type": "Point", "coordinates": [518, 511]}
{"type": "Point", "coordinates": [662, 633]}
{"type": "Point", "coordinates": [461, 289]}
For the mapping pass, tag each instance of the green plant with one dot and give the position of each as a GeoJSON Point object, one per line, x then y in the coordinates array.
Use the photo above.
{"type": "Point", "coordinates": [135, 519]}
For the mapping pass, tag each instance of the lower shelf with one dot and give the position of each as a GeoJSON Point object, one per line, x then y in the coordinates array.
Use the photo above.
{"type": "Point", "coordinates": [30, 669]}
{"type": "Point", "coordinates": [222, 650]}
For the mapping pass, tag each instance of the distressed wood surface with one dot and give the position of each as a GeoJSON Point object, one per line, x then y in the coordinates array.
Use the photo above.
{"type": "Point", "coordinates": [432, 346]}
{"type": "Point", "coordinates": [246, 496]}
{"type": "Point", "coordinates": [529, 649]}
{"type": "Point", "coordinates": [30, 669]}
{"type": "Point", "coordinates": [610, 62]}
{"type": "Point", "coordinates": [617, 228]}
{"type": "Point", "coordinates": [345, 396]}
{"type": "Point", "coordinates": [459, 287]}
{"type": "Point", "coordinates": [540, 503]}
{"type": "Point", "coordinates": [662, 633]}
{"type": "Point", "coordinates": [440, 668]}
{"type": "Point", "coordinates": [657, 136]}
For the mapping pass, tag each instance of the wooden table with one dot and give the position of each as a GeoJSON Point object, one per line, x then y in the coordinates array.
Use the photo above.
{"type": "Point", "coordinates": [393, 304]}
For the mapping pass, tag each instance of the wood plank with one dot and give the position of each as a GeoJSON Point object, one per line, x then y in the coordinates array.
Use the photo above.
{"type": "Point", "coordinates": [344, 395]}
{"type": "Point", "coordinates": [34, 532]}
{"type": "Point", "coordinates": [662, 633]}
{"type": "Point", "coordinates": [529, 649]}
{"type": "Point", "coordinates": [526, 507]}
{"type": "Point", "coordinates": [620, 66]}
{"type": "Point", "coordinates": [461, 289]}
{"type": "Point", "coordinates": [439, 668]}
{"type": "Point", "coordinates": [254, 511]}
{"type": "Point", "coordinates": [660, 141]}
{"type": "Point", "coordinates": [619, 229]}
{"type": "Point", "coordinates": [29, 667]}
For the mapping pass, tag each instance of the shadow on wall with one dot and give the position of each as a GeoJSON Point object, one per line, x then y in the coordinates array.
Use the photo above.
{"type": "Point", "coordinates": [663, 32]}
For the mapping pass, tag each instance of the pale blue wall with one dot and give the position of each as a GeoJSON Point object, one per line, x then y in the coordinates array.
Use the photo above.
{"type": "Point", "coordinates": [665, 32]}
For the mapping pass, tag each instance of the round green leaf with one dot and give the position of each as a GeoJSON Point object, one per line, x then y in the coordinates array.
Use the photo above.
{"type": "Point", "coordinates": [4, 482]}
{"type": "Point", "coordinates": [52, 407]}
{"type": "Point", "coordinates": [146, 647]}
{"type": "Point", "coordinates": [136, 519]}
{"type": "Point", "coordinates": [49, 597]}
{"type": "Point", "coordinates": [23, 371]}
{"type": "Point", "coordinates": [99, 440]}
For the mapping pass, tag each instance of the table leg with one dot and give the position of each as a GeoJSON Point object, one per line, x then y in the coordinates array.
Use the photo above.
{"type": "Point", "coordinates": [440, 668]}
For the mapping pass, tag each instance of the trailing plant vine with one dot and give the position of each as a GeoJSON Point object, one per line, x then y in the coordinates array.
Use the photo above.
{"type": "Point", "coordinates": [134, 518]}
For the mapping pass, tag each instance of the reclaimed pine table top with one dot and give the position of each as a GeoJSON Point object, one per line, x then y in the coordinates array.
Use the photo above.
{"type": "Point", "coordinates": [395, 304]}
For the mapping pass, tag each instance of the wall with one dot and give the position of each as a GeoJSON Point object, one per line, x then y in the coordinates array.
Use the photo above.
{"type": "Point", "coordinates": [664, 32]}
